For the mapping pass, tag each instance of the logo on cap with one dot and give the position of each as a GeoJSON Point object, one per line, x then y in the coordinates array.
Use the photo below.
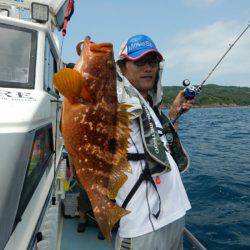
{"type": "Point", "coordinates": [139, 43]}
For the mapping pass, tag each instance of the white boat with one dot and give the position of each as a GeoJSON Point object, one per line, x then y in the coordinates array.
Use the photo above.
{"type": "Point", "coordinates": [33, 161]}
{"type": "Point", "coordinates": [30, 141]}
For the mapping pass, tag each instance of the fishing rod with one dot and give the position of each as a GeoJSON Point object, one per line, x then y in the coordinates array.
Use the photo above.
{"type": "Point", "coordinates": [191, 91]}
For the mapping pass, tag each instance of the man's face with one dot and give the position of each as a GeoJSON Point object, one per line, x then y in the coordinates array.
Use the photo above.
{"type": "Point", "coordinates": [142, 73]}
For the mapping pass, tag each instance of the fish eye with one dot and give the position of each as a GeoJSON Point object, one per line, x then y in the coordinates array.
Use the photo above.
{"type": "Point", "coordinates": [111, 64]}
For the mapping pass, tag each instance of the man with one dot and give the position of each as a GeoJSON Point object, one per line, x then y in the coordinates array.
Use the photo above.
{"type": "Point", "coordinates": [154, 193]}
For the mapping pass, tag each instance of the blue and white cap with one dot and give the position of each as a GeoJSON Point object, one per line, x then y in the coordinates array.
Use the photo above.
{"type": "Point", "coordinates": [138, 46]}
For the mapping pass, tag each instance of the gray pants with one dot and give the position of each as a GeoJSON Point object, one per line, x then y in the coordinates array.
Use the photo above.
{"type": "Point", "coordinates": [169, 237]}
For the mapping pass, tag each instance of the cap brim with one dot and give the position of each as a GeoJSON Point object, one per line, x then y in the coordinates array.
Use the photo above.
{"type": "Point", "coordinates": [139, 54]}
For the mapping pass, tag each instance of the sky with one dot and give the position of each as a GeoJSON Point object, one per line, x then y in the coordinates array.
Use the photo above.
{"type": "Point", "coordinates": [191, 34]}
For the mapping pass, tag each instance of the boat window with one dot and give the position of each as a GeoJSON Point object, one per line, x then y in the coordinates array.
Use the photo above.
{"type": "Point", "coordinates": [40, 159]}
{"type": "Point", "coordinates": [18, 57]}
{"type": "Point", "coordinates": [50, 68]}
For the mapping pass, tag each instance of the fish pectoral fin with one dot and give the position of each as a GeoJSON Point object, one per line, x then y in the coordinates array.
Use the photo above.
{"type": "Point", "coordinates": [70, 84]}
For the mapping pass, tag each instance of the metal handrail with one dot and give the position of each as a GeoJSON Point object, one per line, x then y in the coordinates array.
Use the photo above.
{"type": "Point", "coordinates": [194, 241]}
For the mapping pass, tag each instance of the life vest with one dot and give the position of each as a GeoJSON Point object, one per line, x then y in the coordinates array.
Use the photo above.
{"type": "Point", "coordinates": [155, 152]}
{"type": "Point", "coordinates": [154, 149]}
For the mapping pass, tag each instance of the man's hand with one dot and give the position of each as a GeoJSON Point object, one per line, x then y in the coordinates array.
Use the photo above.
{"type": "Point", "coordinates": [179, 102]}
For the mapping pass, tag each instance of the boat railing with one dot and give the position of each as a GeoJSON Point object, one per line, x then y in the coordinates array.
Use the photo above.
{"type": "Point", "coordinates": [193, 240]}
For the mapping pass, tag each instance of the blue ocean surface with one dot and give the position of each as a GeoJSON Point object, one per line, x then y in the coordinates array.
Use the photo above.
{"type": "Point", "coordinates": [218, 180]}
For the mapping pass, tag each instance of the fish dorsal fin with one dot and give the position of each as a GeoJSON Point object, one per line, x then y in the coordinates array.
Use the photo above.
{"type": "Point", "coordinates": [118, 176]}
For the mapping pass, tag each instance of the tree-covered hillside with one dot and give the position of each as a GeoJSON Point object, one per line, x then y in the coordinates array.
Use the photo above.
{"type": "Point", "coordinates": [213, 95]}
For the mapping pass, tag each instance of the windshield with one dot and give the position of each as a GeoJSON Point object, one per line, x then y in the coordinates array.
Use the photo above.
{"type": "Point", "coordinates": [17, 56]}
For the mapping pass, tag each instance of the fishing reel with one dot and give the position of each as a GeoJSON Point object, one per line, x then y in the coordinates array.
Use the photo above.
{"type": "Point", "coordinates": [190, 90]}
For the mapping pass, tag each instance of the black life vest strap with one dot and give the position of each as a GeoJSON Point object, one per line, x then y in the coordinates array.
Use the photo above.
{"type": "Point", "coordinates": [133, 190]}
{"type": "Point", "coordinates": [145, 175]}
{"type": "Point", "coordinates": [136, 156]}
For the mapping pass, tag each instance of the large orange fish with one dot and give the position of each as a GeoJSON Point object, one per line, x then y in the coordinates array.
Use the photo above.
{"type": "Point", "coordinates": [95, 128]}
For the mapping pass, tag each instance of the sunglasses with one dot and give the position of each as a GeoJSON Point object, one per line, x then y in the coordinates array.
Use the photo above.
{"type": "Point", "coordinates": [151, 61]}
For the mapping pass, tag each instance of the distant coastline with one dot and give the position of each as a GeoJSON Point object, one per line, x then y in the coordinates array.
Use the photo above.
{"type": "Point", "coordinates": [212, 96]}
{"type": "Point", "coordinates": [222, 106]}
{"type": "Point", "coordinates": [213, 106]}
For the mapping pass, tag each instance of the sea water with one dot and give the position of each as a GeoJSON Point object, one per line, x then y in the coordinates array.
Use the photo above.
{"type": "Point", "coordinates": [218, 180]}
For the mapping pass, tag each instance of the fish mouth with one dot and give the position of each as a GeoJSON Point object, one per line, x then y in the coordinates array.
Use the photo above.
{"type": "Point", "coordinates": [101, 49]}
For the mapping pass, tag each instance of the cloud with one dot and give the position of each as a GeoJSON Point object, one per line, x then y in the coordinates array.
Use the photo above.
{"type": "Point", "coordinates": [201, 3]}
{"type": "Point", "coordinates": [197, 51]}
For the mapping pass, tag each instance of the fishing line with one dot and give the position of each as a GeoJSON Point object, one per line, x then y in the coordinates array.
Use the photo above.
{"type": "Point", "coordinates": [192, 90]}
{"type": "Point", "coordinates": [230, 47]}
{"type": "Point", "coordinates": [60, 56]}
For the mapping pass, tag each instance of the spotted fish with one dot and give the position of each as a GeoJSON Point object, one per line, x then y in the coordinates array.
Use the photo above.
{"type": "Point", "coordinates": [95, 128]}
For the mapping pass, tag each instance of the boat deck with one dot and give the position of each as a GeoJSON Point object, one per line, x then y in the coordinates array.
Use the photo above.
{"type": "Point", "coordinates": [72, 240]}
